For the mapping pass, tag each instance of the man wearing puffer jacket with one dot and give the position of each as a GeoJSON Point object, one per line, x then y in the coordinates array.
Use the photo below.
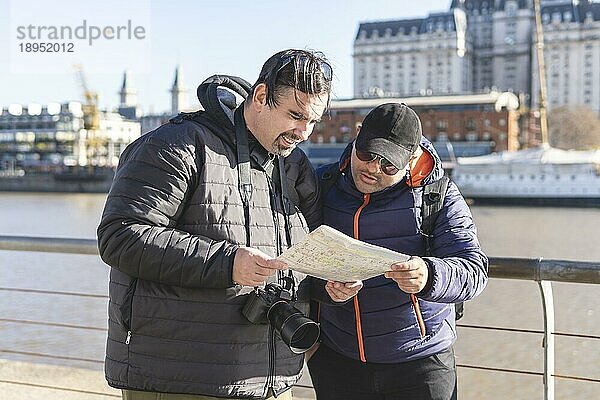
{"type": "Point", "coordinates": [197, 212]}
{"type": "Point", "coordinates": [394, 341]}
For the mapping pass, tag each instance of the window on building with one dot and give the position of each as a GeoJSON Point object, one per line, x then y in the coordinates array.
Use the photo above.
{"type": "Point", "coordinates": [511, 8]}
{"type": "Point", "coordinates": [556, 17]}
{"type": "Point", "coordinates": [545, 18]}
{"type": "Point", "coordinates": [471, 136]}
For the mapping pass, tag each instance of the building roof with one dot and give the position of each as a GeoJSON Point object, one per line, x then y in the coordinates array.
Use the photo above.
{"type": "Point", "coordinates": [407, 26]}
{"type": "Point", "coordinates": [24, 112]}
{"type": "Point", "coordinates": [579, 12]}
{"type": "Point", "coordinates": [127, 84]}
{"type": "Point", "coordinates": [489, 5]}
{"type": "Point", "coordinates": [499, 99]}
{"type": "Point", "coordinates": [586, 7]}
{"type": "Point", "coordinates": [178, 80]}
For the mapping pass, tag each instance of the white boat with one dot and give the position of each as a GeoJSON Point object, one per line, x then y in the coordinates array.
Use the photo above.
{"type": "Point", "coordinates": [542, 175]}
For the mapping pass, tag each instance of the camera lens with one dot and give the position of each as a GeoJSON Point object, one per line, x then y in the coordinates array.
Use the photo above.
{"type": "Point", "coordinates": [297, 331]}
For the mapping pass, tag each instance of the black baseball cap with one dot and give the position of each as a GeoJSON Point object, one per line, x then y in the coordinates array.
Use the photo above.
{"type": "Point", "coordinates": [392, 131]}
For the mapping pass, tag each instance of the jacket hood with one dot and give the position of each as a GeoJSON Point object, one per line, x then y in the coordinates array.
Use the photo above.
{"type": "Point", "coordinates": [423, 171]}
{"type": "Point", "coordinates": [220, 95]}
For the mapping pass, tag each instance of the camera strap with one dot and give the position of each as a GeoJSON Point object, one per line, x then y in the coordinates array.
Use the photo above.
{"type": "Point", "coordinates": [284, 201]}
{"type": "Point", "coordinates": [243, 166]}
{"type": "Point", "coordinates": [288, 282]}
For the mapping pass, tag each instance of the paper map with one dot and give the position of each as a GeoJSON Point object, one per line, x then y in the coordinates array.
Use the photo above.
{"type": "Point", "coordinates": [328, 254]}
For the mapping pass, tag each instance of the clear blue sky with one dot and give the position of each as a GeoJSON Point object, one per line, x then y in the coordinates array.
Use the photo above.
{"type": "Point", "coordinates": [208, 37]}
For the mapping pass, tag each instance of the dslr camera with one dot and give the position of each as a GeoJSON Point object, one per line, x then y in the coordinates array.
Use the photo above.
{"type": "Point", "coordinates": [273, 305]}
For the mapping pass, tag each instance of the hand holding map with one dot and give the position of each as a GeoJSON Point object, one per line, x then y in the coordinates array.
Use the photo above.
{"type": "Point", "coordinates": [328, 254]}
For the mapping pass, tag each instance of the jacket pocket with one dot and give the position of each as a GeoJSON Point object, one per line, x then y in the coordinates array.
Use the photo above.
{"type": "Point", "coordinates": [127, 306]}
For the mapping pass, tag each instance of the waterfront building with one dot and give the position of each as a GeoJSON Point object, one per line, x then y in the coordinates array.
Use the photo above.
{"type": "Point", "coordinates": [49, 137]}
{"type": "Point", "coordinates": [413, 57]}
{"type": "Point", "coordinates": [479, 45]}
{"type": "Point", "coordinates": [458, 125]}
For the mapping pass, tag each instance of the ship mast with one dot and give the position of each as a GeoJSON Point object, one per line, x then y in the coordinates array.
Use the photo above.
{"type": "Point", "coordinates": [539, 33]}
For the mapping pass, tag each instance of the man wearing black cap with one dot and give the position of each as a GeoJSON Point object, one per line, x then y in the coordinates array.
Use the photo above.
{"type": "Point", "coordinates": [394, 341]}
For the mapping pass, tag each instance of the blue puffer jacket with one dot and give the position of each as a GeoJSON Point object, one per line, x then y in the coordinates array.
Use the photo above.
{"type": "Point", "coordinates": [384, 324]}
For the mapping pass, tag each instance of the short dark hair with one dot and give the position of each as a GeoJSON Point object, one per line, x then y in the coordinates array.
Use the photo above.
{"type": "Point", "coordinates": [304, 70]}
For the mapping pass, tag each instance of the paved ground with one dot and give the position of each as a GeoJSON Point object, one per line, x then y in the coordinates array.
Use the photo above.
{"type": "Point", "coordinates": [29, 381]}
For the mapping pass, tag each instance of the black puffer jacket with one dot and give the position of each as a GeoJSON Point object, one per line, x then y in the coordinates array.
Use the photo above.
{"type": "Point", "coordinates": [170, 227]}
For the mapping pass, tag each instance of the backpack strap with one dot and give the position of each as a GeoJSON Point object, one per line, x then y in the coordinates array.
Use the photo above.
{"type": "Point", "coordinates": [328, 175]}
{"type": "Point", "coordinates": [432, 203]}
{"type": "Point", "coordinates": [328, 178]}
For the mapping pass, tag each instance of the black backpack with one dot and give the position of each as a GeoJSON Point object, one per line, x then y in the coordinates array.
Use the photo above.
{"type": "Point", "coordinates": [432, 202]}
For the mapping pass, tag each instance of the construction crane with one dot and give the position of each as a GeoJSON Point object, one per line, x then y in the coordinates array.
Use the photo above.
{"type": "Point", "coordinates": [91, 112]}
{"type": "Point", "coordinates": [94, 145]}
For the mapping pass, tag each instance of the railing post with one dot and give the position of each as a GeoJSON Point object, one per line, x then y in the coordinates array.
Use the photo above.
{"type": "Point", "coordinates": [548, 303]}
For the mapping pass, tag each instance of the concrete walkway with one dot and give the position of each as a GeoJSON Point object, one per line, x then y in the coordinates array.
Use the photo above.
{"type": "Point", "coordinates": [29, 381]}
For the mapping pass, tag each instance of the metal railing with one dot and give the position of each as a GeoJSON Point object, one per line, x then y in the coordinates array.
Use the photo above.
{"type": "Point", "coordinates": [542, 271]}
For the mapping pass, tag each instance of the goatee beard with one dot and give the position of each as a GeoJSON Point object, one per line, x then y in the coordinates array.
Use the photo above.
{"type": "Point", "coordinates": [280, 150]}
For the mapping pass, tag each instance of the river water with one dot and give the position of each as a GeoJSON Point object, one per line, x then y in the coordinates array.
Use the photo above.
{"type": "Point", "coordinates": [73, 327]}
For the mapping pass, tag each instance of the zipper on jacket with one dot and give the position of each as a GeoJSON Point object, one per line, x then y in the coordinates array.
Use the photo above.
{"type": "Point", "coordinates": [271, 344]}
{"type": "Point", "coordinates": [127, 308]}
{"type": "Point", "coordinates": [361, 346]}
{"type": "Point", "coordinates": [415, 303]}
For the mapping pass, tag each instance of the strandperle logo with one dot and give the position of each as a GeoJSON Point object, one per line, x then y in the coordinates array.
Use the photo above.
{"type": "Point", "coordinates": [85, 31]}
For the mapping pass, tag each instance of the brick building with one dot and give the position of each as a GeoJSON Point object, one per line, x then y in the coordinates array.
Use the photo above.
{"type": "Point", "coordinates": [472, 124]}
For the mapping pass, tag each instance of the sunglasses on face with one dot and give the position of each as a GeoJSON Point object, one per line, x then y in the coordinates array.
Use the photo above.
{"type": "Point", "coordinates": [302, 62]}
{"type": "Point", "coordinates": [386, 167]}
